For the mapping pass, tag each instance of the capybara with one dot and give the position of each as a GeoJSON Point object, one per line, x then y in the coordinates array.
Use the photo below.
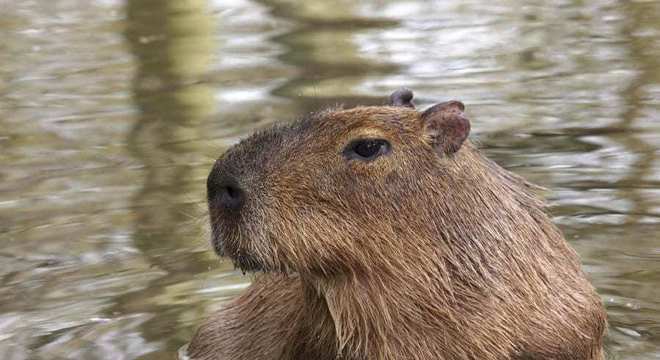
{"type": "Point", "coordinates": [381, 232]}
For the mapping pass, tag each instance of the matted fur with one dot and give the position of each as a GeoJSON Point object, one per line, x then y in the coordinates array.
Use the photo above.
{"type": "Point", "coordinates": [418, 254]}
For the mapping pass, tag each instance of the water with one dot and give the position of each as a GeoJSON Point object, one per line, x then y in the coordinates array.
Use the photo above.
{"type": "Point", "coordinates": [112, 112]}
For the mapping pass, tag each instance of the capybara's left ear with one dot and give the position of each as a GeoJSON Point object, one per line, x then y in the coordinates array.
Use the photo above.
{"type": "Point", "coordinates": [446, 126]}
{"type": "Point", "coordinates": [402, 97]}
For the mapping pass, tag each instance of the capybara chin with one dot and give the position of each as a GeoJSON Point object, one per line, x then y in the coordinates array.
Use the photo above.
{"type": "Point", "coordinates": [383, 233]}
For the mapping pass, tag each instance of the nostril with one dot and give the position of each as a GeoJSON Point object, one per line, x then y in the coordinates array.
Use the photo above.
{"type": "Point", "coordinates": [232, 192]}
{"type": "Point", "coordinates": [231, 197]}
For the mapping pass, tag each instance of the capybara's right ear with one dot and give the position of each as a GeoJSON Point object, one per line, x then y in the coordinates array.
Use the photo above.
{"type": "Point", "coordinates": [446, 126]}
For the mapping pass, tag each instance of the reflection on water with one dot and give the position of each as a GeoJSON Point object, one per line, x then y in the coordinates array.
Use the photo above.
{"type": "Point", "coordinates": [111, 114]}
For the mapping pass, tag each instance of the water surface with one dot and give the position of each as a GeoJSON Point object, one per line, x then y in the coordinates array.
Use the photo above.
{"type": "Point", "coordinates": [112, 112]}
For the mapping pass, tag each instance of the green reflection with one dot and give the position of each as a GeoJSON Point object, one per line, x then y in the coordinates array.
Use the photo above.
{"type": "Point", "coordinates": [324, 50]}
{"type": "Point", "coordinates": [638, 19]}
{"type": "Point", "coordinates": [634, 235]}
{"type": "Point", "coordinates": [173, 45]}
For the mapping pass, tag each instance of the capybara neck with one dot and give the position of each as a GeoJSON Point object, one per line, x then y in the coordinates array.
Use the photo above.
{"type": "Point", "coordinates": [458, 268]}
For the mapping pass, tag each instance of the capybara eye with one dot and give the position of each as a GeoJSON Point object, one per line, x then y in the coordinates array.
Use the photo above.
{"type": "Point", "coordinates": [366, 149]}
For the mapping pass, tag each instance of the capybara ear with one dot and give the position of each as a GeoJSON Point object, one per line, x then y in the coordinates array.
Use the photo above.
{"type": "Point", "coordinates": [446, 126]}
{"type": "Point", "coordinates": [402, 97]}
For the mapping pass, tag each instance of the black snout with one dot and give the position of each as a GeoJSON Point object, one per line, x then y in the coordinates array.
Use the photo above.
{"type": "Point", "coordinates": [225, 192]}
{"type": "Point", "coordinates": [230, 195]}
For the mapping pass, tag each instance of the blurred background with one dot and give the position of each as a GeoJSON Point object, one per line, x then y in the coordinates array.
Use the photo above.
{"type": "Point", "coordinates": [112, 112]}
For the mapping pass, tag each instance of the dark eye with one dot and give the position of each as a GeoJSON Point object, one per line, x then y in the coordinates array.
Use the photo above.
{"type": "Point", "coordinates": [366, 149]}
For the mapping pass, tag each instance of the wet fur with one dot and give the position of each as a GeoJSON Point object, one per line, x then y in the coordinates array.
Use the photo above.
{"type": "Point", "coordinates": [423, 255]}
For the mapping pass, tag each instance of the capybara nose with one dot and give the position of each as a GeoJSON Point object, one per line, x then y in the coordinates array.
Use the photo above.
{"type": "Point", "coordinates": [230, 195]}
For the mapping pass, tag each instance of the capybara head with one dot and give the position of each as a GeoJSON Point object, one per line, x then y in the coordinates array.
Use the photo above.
{"type": "Point", "coordinates": [401, 239]}
{"type": "Point", "coordinates": [338, 192]}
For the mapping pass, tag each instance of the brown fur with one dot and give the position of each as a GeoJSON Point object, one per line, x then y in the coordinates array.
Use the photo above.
{"type": "Point", "coordinates": [429, 252]}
